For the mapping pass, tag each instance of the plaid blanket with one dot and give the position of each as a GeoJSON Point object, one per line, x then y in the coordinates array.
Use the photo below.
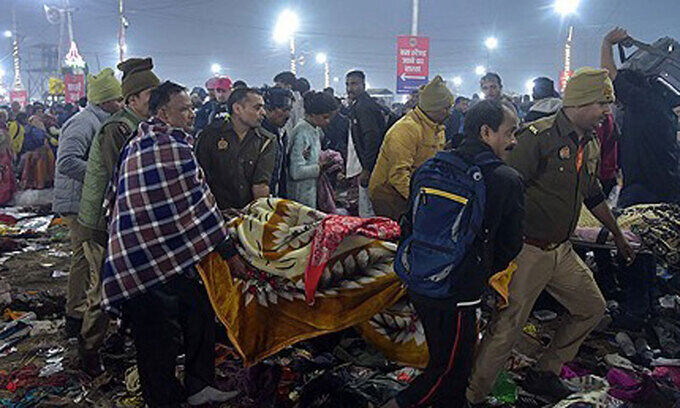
{"type": "Point", "coordinates": [164, 218]}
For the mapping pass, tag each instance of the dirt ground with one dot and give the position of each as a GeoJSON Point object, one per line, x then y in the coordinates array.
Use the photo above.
{"type": "Point", "coordinates": [37, 272]}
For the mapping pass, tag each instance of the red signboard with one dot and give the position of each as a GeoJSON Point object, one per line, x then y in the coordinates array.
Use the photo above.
{"type": "Point", "coordinates": [413, 62]}
{"type": "Point", "coordinates": [20, 96]}
{"type": "Point", "coordinates": [74, 87]}
{"type": "Point", "coordinates": [564, 77]}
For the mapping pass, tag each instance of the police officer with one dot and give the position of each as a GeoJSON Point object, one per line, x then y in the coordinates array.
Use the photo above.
{"type": "Point", "coordinates": [137, 83]}
{"type": "Point", "coordinates": [238, 155]}
{"type": "Point", "coordinates": [558, 157]}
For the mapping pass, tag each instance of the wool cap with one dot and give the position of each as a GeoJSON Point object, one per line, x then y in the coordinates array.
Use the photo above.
{"type": "Point", "coordinates": [137, 75]}
{"type": "Point", "coordinates": [103, 87]}
{"type": "Point", "coordinates": [435, 96]}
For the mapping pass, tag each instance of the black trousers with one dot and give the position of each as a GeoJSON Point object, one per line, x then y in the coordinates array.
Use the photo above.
{"type": "Point", "coordinates": [451, 337]}
{"type": "Point", "coordinates": [171, 318]}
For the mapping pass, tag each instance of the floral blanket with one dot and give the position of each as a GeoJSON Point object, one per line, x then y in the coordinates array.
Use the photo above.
{"type": "Point", "coordinates": [266, 309]}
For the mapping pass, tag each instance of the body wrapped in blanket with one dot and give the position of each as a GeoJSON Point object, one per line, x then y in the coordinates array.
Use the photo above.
{"type": "Point", "coordinates": [312, 274]}
{"type": "Point", "coordinates": [652, 227]}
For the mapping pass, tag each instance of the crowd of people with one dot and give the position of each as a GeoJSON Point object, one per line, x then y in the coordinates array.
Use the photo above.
{"type": "Point", "coordinates": [145, 171]}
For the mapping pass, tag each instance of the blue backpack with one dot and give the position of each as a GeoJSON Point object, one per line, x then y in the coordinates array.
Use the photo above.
{"type": "Point", "coordinates": [446, 211]}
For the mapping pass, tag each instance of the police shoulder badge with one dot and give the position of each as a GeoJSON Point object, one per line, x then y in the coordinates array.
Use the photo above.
{"type": "Point", "coordinates": [565, 152]}
{"type": "Point", "coordinates": [222, 144]}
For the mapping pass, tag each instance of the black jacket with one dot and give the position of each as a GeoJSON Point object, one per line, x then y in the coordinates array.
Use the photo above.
{"type": "Point", "coordinates": [368, 129]}
{"type": "Point", "coordinates": [335, 135]}
{"type": "Point", "coordinates": [648, 146]}
{"type": "Point", "coordinates": [502, 238]}
{"type": "Point", "coordinates": [277, 185]}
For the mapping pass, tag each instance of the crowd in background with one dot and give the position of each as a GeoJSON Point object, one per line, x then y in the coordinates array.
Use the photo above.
{"type": "Point", "coordinates": [143, 170]}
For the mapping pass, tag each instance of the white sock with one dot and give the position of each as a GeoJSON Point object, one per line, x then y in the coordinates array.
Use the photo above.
{"type": "Point", "coordinates": [210, 394]}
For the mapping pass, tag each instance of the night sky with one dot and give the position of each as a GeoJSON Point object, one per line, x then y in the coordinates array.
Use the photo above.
{"type": "Point", "coordinates": [185, 37]}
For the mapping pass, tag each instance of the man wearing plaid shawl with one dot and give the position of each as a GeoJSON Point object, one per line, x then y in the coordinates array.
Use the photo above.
{"type": "Point", "coordinates": [164, 220]}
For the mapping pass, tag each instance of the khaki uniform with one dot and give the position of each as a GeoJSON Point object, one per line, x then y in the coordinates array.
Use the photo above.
{"type": "Point", "coordinates": [232, 166]}
{"type": "Point", "coordinates": [95, 321]}
{"type": "Point", "coordinates": [558, 178]}
{"type": "Point", "coordinates": [560, 174]}
{"type": "Point", "coordinates": [78, 276]}
{"type": "Point", "coordinates": [101, 163]}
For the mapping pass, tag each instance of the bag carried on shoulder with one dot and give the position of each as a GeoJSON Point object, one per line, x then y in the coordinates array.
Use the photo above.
{"type": "Point", "coordinates": [446, 211]}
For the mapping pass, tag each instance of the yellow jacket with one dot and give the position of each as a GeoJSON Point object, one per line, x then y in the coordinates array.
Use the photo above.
{"type": "Point", "coordinates": [407, 145]}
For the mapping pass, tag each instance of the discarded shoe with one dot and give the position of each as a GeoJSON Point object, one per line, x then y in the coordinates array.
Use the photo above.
{"type": "Point", "coordinates": [626, 344]}
{"type": "Point", "coordinates": [643, 350]}
{"type": "Point", "coordinates": [545, 315]}
{"type": "Point", "coordinates": [615, 360]}
{"type": "Point", "coordinates": [209, 395]}
{"type": "Point", "coordinates": [546, 384]}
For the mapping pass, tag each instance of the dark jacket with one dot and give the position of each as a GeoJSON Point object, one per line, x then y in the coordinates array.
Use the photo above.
{"type": "Point", "coordinates": [335, 135]}
{"type": "Point", "coordinates": [502, 237]}
{"type": "Point", "coordinates": [454, 128]}
{"type": "Point", "coordinates": [650, 154]}
{"type": "Point", "coordinates": [368, 128]}
{"type": "Point", "coordinates": [277, 185]}
{"type": "Point", "coordinates": [203, 115]}
{"type": "Point", "coordinates": [232, 166]}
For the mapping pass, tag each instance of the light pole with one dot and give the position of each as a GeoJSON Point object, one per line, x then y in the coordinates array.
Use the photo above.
{"type": "Point", "coordinates": [491, 43]}
{"type": "Point", "coordinates": [457, 81]}
{"type": "Point", "coordinates": [17, 85]}
{"type": "Point", "coordinates": [480, 70]}
{"type": "Point", "coordinates": [566, 8]}
{"type": "Point", "coordinates": [284, 31]}
{"type": "Point", "coordinates": [122, 28]}
{"type": "Point", "coordinates": [322, 58]}
{"type": "Point", "coordinates": [3, 90]}
{"type": "Point", "coordinates": [415, 9]}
